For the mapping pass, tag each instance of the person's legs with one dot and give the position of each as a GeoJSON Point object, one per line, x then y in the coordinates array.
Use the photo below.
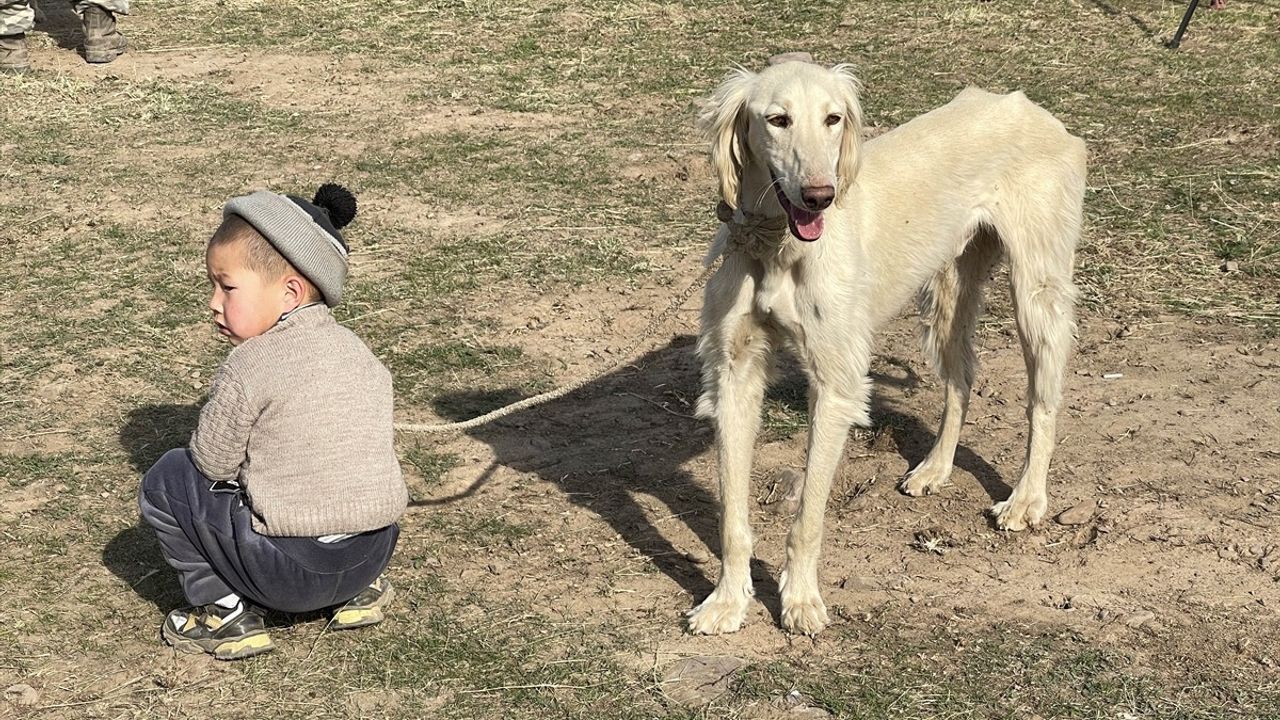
{"type": "Point", "coordinates": [209, 539]}
{"type": "Point", "coordinates": [304, 574]}
{"type": "Point", "coordinates": [192, 524]}
{"type": "Point", "coordinates": [196, 532]}
{"type": "Point", "coordinates": [102, 40]}
{"type": "Point", "coordinates": [16, 20]}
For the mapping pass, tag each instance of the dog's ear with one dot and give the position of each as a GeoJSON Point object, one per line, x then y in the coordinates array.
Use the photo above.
{"type": "Point", "coordinates": [851, 135]}
{"type": "Point", "coordinates": [723, 120]}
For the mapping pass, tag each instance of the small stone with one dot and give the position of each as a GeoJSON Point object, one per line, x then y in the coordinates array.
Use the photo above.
{"type": "Point", "coordinates": [1138, 619]}
{"type": "Point", "coordinates": [22, 694]}
{"type": "Point", "coordinates": [696, 681]}
{"type": "Point", "coordinates": [784, 495]}
{"type": "Point", "coordinates": [860, 583]}
{"type": "Point", "coordinates": [900, 582]}
{"type": "Point", "coordinates": [1229, 266]}
{"type": "Point", "coordinates": [808, 712]}
{"type": "Point", "coordinates": [697, 557]}
{"type": "Point", "coordinates": [1080, 514]}
{"type": "Point", "coordinates": [1075, 602]}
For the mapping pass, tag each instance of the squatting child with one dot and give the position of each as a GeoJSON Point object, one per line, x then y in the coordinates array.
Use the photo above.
{"type": "Point", "coordinates": [288, 495]}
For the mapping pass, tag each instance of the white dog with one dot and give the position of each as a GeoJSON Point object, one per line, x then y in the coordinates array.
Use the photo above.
{"type": "Point", "coordinates": [825, 238]}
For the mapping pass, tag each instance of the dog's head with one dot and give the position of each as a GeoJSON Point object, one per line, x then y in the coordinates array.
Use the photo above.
{"type": "Point", "coordinates": [799, 122]}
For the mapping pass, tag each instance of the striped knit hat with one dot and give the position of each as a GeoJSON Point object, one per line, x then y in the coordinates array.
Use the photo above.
{"type": "Point", "coordinates": [305, 233]}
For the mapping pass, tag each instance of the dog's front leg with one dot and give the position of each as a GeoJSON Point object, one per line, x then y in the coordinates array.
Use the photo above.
{"type": "Point", "coordinates": [734, 377]}
{"type": "Point", "coordinates": [838, 398]}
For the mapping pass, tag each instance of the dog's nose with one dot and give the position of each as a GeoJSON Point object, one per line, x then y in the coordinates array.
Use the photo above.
{"type": "Point", "coordinates": [819, 197]}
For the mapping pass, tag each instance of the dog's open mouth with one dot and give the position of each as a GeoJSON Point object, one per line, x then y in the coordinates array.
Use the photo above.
{"type": "Point", "coordinates": [804, 224]}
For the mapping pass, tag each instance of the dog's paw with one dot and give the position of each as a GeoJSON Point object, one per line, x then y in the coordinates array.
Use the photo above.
{"type": "Point", "coordinates": [925, 479]}
{"type": "Point", "coordinates": [803, 611]}
{"type": "Point", "coordinates": [805, 616]}
{"type": "Point", "coordinates": [1019, 513]}
{"type": "Point", "coordinates": [718, 615]}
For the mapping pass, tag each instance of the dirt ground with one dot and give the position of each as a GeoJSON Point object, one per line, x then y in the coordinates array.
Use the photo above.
{"type": "Point", "coordinates": [1167, 469]}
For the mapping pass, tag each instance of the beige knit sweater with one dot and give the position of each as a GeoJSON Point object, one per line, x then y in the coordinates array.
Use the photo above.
{"type": "Point", "coordinates": [301, 417]}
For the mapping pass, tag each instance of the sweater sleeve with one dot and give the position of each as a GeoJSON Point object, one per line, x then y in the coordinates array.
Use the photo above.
{"type": "Point", "coordinates": [221, 437]}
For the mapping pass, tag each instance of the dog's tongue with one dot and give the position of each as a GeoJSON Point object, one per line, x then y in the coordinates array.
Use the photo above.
{"type": "Point", "coordinates": [804, 224]}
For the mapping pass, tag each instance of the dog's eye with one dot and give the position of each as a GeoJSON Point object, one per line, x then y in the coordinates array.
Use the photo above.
{"type": "Point", "coordinates": [833, 119]}
{"type": "Point", "coordinates": [780, 121]}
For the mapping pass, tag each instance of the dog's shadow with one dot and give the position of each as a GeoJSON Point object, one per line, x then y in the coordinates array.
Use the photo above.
{"type": "Point", "coordinates": [133, 555]}
{"type": "Point", "coordinates": [914, 439]}
{"type": "Point", "coordinates": [619, 447]}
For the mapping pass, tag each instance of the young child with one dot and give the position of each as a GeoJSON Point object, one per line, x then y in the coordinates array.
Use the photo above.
{"type": "Point", "coordinates": [288, 494]}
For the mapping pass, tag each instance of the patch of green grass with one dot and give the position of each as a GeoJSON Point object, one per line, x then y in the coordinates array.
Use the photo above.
{"type": "Point", "coordinates": [537, 258]}
{"type": "Point", "coordinates": [1005, 674]}
{"type": "Point", "coordinates": [22, 470]}
{"type": "Point", "coordinates": [461, 656]}
{"type": "Point", "coordinates": [89, 304]}
{"type": "Point", "coordinates": [430, 465]}
{"type": "Point", "coordinates": [420, 372]}
{"type": "Point", "coordinates": [785, 412]}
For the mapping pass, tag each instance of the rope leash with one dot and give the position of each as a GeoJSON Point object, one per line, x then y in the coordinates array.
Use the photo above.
{"type": "Point", "coordinates": [546, 397]}
{"type": "Point", "coordinates": [751, 233]}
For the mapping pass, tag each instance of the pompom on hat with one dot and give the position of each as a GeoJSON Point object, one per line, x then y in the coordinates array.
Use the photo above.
{"type": "Point", "coordinates": [305, 232]}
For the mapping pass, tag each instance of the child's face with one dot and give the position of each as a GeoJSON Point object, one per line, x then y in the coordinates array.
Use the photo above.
{"type": "Point", "coordinates": [244, 304]}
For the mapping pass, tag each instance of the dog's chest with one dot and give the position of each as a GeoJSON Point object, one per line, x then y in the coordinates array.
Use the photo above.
{"type": "Point", "coordinates": [775, 302]}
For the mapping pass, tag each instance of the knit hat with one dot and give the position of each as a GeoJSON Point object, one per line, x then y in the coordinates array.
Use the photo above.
{"type": "Point", "coordinates": [305, 233]}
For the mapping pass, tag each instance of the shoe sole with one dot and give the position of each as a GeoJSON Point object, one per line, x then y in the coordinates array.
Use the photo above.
{"type": "Point", "coordinates": [237, 649]}
{"type": "Point", "coordinates": [100, 56]}
{"type": "Point", "coordinates": [353, 618]}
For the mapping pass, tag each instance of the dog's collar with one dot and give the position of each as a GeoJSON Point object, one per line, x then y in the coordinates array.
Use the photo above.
{"type": "Point", "coordinates": [755, 234]}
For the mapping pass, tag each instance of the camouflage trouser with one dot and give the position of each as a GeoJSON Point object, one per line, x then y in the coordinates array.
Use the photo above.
{"type": "Point", "coordinates": [18, 16]}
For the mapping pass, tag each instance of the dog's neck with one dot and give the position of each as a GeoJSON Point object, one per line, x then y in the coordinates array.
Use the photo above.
{"type": "Point", "coordinates": [754, 234]}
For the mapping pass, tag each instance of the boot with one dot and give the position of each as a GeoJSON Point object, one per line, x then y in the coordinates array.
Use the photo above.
{"type": "Point", "coordinates": [13, 53]}
{"type": "Point", "coordinates": [102, 41]}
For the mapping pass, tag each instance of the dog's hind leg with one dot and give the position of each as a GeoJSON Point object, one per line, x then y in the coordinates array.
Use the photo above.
{"type": "Point", "coordinates": [949, 308]}
{"type": "Point", "coordinates": [735, 352]}
{"type": "Point", "coordinates": [1044, 302]}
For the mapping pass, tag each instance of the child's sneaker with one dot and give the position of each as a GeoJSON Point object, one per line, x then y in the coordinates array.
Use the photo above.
{"type": "Point", "coordinates": [364, 609]}
{"type": "Point", "coordinates": [225, 634]}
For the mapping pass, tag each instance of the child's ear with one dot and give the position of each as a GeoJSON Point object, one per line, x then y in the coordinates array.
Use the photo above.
{"type": "Point", "coordinates": [295, 292]}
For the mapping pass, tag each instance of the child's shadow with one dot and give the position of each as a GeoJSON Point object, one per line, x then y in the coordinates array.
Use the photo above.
{"type": "Point", "coordinates": [133, 555]}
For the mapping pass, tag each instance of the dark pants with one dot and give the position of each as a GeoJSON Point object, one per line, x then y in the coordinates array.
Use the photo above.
{"type": "Point", "coordinates": [207, 537]}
